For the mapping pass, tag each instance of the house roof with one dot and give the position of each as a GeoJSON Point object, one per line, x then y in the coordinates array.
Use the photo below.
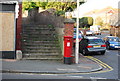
{"type": "Point", "coordinates": [101, 11]}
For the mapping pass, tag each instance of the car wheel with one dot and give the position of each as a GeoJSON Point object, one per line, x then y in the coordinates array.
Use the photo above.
{"type": "Point", "coordinates": [84, 52]}
{"type": "Point", "coordinates": [102, 52]}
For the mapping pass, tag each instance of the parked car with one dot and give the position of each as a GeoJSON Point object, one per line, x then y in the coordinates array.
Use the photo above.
{"type": "Point", "coordinates": [112, 42]}
{"type": "Point", "coordinates": [92, 44]}
{"type": "Point", "coordinates": [79, 36]}
{"type": "Point", "coordinates": [89, 33]}
{"type": "Point", "coordinates": [96, 29]}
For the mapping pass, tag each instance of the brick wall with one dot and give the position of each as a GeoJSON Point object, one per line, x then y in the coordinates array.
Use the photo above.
{"type": "Point", "coordinates": [69, 29]}
{"type": "Point", "coordinates": [18, 29]}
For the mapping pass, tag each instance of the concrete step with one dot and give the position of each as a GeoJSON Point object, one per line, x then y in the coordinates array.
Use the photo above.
{"type": "Point", "coordinates": [38, 28]}
{"type": "Point", "coordinates": [35, 25]}
{"type": "Point", "coordinates": [42, 51]}
{"type": "Point", "coordinates": [46, 42]}
{"type": "Point", "coordinates": [38, 33]}
{"type": "Point", "coordinates": [41, 54]}
{"type": "Point", "coordinates": [40, 36]}
{"type": "Point", "coordinates": [24, 40]}
{"type": "Point", "coordinates": [40, 43]}
{"type": "Point", "coordinates": [40, 58]}
{"type": "Point", "coordinates": [37, 48]}
{"type": "Point", "coordinates": [40, 39]}
{"type": "Point", "coordinates": [39, 51]}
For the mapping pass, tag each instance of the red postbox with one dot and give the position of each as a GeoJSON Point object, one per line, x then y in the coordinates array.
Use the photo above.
{"type": "Point", "coordinates": [68, 44]}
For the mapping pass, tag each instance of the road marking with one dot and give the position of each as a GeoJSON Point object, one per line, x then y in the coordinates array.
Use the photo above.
{"type": "Point", "coordinates": [67, 69]}
{"type": "Point", "coordinates": [104, 65]}
{"type": "Point", "coordinates": [107, 51]}
{"type": "Point", "coordinates": [85, 67]}
{"type": "Point", "coordinates": [97, 78]}
{"type": "Point", "coordinates": [118, 54]}
{"type": "Point", "coordinates": [49, 74]}
{"type": "Point", "coordinates": [76, 76]}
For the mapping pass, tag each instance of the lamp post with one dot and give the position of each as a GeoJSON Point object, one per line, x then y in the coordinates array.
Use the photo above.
{"type": "Point", "coordinates": [77, 34]}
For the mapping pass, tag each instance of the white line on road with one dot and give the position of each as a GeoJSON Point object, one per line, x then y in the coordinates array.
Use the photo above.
{"type": "Point", "coordinates": [107, 51]}
{"type": "Point", "coordinates": [49, 74]}
{"type": "Point", "coordinates": [118, 54]}
{"type": "Point", "coordinates": [76, 76]}
{"type": "Point", "coordinates": [97, 78]}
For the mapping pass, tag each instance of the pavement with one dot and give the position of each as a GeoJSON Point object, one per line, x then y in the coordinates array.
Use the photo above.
{"type": "Point", "coordinates": [85, 65]}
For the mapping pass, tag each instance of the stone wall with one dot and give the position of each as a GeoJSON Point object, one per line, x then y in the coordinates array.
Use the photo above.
{"type": "Point", "coordinates": [43, 18]}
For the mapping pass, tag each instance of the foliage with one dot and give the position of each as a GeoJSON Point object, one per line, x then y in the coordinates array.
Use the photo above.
{"type": "Point", "coordinates": [41, 4]}
{"type": "Point", "coordinates": [59, 6]}
{"type": "Point", "coordinates": [90, 21]}
{"type": "Point", "coordinates": [28, 5]}
{"type": "Point", "coordinates": [59, 12]}
{"type": "Point", "coordinates": [99, 21]}
{"type": "Point", "coordinates": [85, 22]}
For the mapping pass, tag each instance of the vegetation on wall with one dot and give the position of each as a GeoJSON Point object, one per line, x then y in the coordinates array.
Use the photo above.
{"type": "Point", "coordinates": [58, 6]}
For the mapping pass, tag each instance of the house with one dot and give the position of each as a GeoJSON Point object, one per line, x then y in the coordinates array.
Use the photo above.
{"type": "Point", "coordinates": [115, 25]}
{"type": "Point", "coordinates": [105, 14]}
{"type": "Point", "coordinates": [11, 15]}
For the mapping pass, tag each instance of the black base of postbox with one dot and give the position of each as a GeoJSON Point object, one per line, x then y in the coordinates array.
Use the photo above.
{"type": "Point", "coordinates": [68, 60]}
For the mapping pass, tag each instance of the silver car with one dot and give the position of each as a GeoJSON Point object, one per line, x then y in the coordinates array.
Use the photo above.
{"type": "Point", "coordinates": [92, 44]}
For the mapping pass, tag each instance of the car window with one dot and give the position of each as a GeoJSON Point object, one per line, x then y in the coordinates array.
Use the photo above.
{"type": "Point", "coordinates": [95, 41]}
{"type": "Point", "coordinates": [116, 39]}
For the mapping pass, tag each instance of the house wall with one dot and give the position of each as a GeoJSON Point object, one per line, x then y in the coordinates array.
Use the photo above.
{"type": "Point", "coordinates": [19, 29]}
{"type": "Point", "coordinates": [115, 31]}
{"type": "Point", "coordinates": [9, 24]}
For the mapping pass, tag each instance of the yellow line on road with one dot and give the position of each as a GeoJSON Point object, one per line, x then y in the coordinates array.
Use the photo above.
{"type": "Point", "coordinates": [100, 62]}
{"type": "Point", "coordinates": [104, 65]}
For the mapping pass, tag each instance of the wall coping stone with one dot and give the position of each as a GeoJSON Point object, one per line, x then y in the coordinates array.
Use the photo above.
{"type": "Point", "coordinates": [69, 21]}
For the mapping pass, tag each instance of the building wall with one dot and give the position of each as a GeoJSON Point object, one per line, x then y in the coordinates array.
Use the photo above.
{"type": "Point", "coordinates": [19, 29]}
{"type": "Point", "coordinates": [10, 27]}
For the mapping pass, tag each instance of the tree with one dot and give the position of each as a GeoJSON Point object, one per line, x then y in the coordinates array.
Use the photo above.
{"type": "Point", "coordinates": [99, 21]}
{"type": "Point", "coordinates": [41, 4]}
{"type": "Point", "coordinates": [90, 21]}
{"type": "Point", "coordinates": [28, 5]}
{"type": "Point", "coordinates": [59, 6]}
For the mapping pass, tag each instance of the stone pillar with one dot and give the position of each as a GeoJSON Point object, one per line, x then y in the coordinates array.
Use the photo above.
{"type": "Point", "coordinates": [69, 27]}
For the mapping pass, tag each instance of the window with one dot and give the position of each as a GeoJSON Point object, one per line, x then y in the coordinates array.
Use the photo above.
{"type": "Point", "coordinates": [95, 41]}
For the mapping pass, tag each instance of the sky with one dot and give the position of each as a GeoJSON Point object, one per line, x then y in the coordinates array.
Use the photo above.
{"type": "Point", "coordinates": [97, 4]}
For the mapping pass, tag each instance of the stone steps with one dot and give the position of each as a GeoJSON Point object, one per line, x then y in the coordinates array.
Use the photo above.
{"type": "Point", "coordinates": [40, 42]}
